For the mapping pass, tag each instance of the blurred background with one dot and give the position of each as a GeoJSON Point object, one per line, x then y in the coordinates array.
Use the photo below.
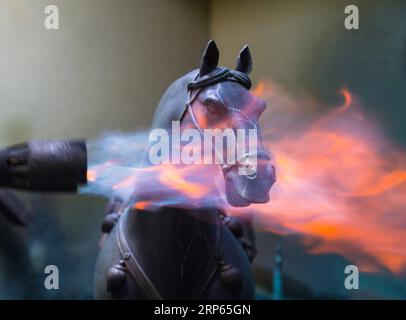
{"type": "Point", "coordinates": [106, 69]}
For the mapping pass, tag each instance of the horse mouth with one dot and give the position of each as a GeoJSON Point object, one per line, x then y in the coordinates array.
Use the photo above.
{"type": "Point", "coordinates": [235, 199]}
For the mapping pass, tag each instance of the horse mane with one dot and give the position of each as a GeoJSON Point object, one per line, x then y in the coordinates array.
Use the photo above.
{"type": "Point", "coordinates": [170, 108]}
{"type": "Point", "coordinates": [173, 102]}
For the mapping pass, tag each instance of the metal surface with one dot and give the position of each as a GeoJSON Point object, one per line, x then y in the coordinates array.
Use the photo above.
{"type": "Point", "coordinates": [12, 208]}
{"type": "Point", "coordinates": [185, 254]}
{"type": "Point", "coordinates": [59, 165]}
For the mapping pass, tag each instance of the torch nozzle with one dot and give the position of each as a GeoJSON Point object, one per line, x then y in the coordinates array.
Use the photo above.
{"type": "Point", "coordinates": [58, 165]}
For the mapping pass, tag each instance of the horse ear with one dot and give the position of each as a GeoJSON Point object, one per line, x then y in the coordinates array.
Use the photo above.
{"type": "Point", "coordinates": [244, 61]}
{"type": "Point", "coordinates": [210, 59]}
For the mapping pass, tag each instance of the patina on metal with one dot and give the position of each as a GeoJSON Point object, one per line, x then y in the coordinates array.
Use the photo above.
{"type": "Point", "coordinates": [176, 253]}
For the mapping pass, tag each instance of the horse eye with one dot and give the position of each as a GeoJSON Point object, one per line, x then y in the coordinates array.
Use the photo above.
{"type": "Point", "coordinates": [216, 108]}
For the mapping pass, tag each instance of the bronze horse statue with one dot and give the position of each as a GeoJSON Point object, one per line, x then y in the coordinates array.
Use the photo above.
{"type": "Point", "coordinates": [178, 253]}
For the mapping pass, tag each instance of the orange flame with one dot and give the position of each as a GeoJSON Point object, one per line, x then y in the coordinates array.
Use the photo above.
{"type": "Point", "coordinates": [175, 178]}
{"type": "Point", "coordinates": [91, 175]}
{"type": "Point", "coordinates": [340, 184]}
{"type": "Point", "coordinates": [347, 99]}
{"type": "Point", "coordinates": [142, 205]}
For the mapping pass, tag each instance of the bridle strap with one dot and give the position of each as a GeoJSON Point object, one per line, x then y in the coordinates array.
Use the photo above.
{"type": "Point", "coordinates": [192, 96]}
{"type": "Point", "coordinates": [219, 75]}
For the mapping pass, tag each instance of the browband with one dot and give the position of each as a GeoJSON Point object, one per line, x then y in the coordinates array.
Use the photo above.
{"type": "Point", "coordinates": [219, 75]}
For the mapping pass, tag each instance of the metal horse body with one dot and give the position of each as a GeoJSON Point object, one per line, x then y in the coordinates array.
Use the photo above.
{"type": "Point", "coordinates": [178, 253]}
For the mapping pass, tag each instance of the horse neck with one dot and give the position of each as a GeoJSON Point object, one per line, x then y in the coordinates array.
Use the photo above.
{"type": "Point", "coordinates": [173, 231]}
{"type": "Point", "coordinates": [172, 226]}
{"type": "Point", "coordinates": [174, 246]}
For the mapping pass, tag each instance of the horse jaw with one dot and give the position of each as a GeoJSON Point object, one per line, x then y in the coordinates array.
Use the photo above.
{"type": "Point", "coordinates": [242, 191]}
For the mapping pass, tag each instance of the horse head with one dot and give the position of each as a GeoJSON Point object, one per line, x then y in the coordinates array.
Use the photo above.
{"type": "Point", "coordinates": [219, 99]}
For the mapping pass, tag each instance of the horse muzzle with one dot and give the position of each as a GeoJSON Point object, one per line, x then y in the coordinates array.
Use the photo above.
{"type": "Point", "coordinates": [254, 184]}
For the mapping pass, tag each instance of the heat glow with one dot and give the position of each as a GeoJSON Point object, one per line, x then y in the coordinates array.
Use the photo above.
{"type": "Point", "coordinates": [340, 182]}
